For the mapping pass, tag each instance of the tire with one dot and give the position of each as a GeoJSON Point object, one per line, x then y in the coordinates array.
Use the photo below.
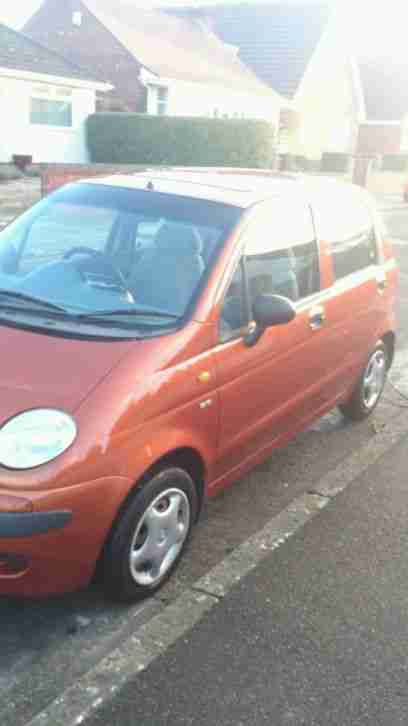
{"type": "Point", "coordinates": [366, 396]}
{"type": "Point", "coordinates": [150, 536]}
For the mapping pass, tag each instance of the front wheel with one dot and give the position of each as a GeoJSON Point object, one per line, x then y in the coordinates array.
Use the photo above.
{"type": "Point", "coordinates": [369, 388]}
{"type": "Point", "coordinates": [150, 536]}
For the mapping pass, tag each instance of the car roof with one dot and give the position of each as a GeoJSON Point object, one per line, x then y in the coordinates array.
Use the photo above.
{"type": "Point", "coordinates": [241, 188]}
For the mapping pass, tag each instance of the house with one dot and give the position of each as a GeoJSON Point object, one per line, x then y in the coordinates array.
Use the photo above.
{"type": "Point", "coordinates": [385, 89]}
{"type": "Point", "coordinates": [299, 50]}
{"type": "Point", "coordinates": [157, 63]}
{"type": "Point", "coordinates": [44, 102]}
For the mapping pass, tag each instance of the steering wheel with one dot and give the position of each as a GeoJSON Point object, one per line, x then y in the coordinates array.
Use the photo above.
{"type": "Point", "coordinates": [107, 263]}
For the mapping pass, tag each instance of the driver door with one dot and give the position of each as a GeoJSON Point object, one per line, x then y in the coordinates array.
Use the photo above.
{"type": "Point", "coordinates": [267, 389]}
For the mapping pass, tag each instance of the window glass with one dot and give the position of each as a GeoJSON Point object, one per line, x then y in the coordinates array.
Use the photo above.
{"type": "Point", "coordinates": [93, 248]}
{"type": "Point", "coordinates": [61, 228]}
{"type": "Point", "coordinates": [345, 221]}
{"type": "Point", "coordinates": [49, 112]}
{"type": "Point", "coordinates": [307, 268]}
{"type": "Point", "coordinates": [281, 251]}
{"type": "Point", "coordinates": [162, 97]}
{"type": "Point", "coordinates": [273, 273]}
{"type": "Point", "coordinates": [354, 254]}
{"type": "Point", "coordinates": [233, 312]}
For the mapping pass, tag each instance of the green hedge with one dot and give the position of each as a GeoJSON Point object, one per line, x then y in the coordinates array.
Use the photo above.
{"type": "Point", "coordinates": [335, 162]}
{"type": "Point", "coordinates": [395, 162]}
{"type": "Point", "coordinates": [130, 138]}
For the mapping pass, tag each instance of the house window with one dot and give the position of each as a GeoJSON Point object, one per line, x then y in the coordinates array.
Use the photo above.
{"type": "Point", "coordinates": [51, 107]}
{"type": "Point", "coordinates": [162, 97]}
{"type": "Point", "coordinates": [46, 112]}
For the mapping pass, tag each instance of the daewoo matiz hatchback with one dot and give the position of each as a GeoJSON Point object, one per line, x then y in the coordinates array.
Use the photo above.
{"type": "Point", "coordinates": [160, 335]}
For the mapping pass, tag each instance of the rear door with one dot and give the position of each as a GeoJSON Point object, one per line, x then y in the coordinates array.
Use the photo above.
{"type": "Point", "coordinates": [355, 308]}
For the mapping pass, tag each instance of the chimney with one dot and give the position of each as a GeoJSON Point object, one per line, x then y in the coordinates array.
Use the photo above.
{"type": "Point", "coordinates": [77, 18]}
{"type": "Point", "coordinates": [76, 13]}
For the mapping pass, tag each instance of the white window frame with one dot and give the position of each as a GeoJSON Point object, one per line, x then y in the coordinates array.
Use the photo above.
{"type": "Point", "coordinates": [162, 103]}
{"type": "Point", "coordinates": [52, 93]}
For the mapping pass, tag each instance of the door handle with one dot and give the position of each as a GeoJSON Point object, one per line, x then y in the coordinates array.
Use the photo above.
{"type": "Point", "coordinates": [317, 318]}
{"type": "Point", "coordinates": [382, 282]}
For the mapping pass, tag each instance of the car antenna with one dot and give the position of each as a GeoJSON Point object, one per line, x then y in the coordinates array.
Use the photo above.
{"type": "Point", "coordinates": [150, 186]}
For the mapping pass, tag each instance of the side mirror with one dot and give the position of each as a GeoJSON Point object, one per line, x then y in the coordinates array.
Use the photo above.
{"type": "Point", "coordinates": [273, 310]}
{"type": "Point", "coordinates": [268, 311]}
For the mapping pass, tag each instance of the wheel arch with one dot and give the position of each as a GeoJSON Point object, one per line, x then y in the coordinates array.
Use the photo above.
{"type": "Point", "coordinates": [186, 458]}
{"type": "Point", "coordinates": [389, 341]}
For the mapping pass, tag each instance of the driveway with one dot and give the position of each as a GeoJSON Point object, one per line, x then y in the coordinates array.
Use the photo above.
{"type": "Point", "coordinates": [16, 196]}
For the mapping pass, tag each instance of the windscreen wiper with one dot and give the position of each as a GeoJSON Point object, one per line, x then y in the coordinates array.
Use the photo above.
{"type": "Point", "coordinates": [16, 295]}
{"type": "Point", "coordinates": [137, 312]}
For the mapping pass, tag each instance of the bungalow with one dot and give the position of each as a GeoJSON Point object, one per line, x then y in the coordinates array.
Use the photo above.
{"type": "Point", "coordinates": [299, 49]}
{"type": "Point", "coordinates": [44, 102]}
{"type": "Point", "coordinates": [157, 63]}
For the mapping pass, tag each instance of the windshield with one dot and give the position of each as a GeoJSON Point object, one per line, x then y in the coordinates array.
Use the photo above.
{"type": "Point", "coordinates": [133, 257]}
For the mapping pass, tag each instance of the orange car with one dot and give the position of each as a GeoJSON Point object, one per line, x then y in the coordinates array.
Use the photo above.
{"type": "Point", "coordinates": [161, 334]}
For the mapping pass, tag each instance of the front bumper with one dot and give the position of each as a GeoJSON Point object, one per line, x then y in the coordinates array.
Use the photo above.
{"type": "Point", "coordinates": [53, 546]}
{"type": "Point", "coordinates": [26, 524]}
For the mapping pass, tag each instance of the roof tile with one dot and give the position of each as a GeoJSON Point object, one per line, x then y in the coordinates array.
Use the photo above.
{"type": "Point", "coordinates": [20, 53]}
{"type": "Point", "coordinates": [276, 40]}
{"type": "Point", "coordinates": [175, 47]}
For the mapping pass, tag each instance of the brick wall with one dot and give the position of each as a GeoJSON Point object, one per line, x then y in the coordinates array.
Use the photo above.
{"type": "Point", "coordinates": [379, 139]}
{"type": "Point", "coordinates": [92, 46]}
{"type": "Point", "coordinates": [54, 176]}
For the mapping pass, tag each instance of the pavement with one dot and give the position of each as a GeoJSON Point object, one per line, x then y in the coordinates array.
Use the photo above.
{"type": "Point", "coordinates": [287, 532]}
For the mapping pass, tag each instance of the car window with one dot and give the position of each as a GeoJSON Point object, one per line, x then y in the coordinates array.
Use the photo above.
{"type": "Point", "coordinates": [345, 222]}
{"type": "Point", "coordinates": [281, 251]}
{"type": "Point", "coordinates": [61, 228]}
{"type": "Point", "coordinates": [234, 317]}
{"type": "Point", "coordinates": [92, 248]}
{"type": "Point", "coordinates": [280, 257]}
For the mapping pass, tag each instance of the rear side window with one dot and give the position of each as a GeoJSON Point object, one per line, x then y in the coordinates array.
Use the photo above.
{"type": "Point", "coordinates": [345, 221]}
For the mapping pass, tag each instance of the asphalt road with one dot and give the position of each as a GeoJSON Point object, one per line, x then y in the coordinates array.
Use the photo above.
{"type": "Point", "coordinates": [45, 646]}
{"type": "Point", "coordinates": [315, 636]}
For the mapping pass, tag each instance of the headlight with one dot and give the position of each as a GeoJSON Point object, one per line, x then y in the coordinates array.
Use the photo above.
{"type": "Point", "coordinates": [35, 437]}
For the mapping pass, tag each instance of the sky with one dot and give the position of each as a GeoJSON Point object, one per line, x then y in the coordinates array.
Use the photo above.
{"type": "Point", "coordinates": [373, 27]}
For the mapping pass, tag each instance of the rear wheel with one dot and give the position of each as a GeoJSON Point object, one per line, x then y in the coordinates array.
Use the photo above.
{"type": "Point", "coordinates": [150, 536]}
{"type": "Point", "coordinates": [370, 386]}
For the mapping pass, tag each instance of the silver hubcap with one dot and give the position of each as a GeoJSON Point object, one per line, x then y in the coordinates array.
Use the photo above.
{"type": "Point", "coordinates": [374, 378]}
{"type": "Point", "coordinates": [159, 537]}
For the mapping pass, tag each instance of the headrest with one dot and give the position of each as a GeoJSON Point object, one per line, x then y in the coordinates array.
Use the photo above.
{"type": "Point", "coordinates": [178, 239]}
